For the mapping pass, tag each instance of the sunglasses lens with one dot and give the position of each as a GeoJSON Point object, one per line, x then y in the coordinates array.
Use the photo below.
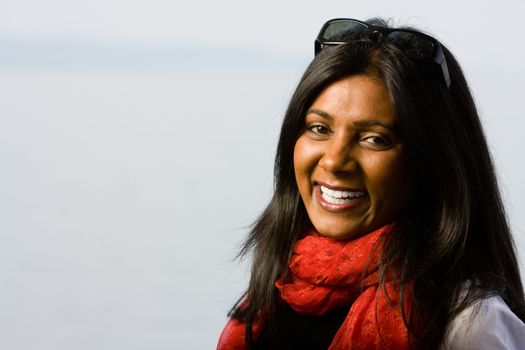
{"type": "Point", "coordinates": [343, 31]}
{"type": "Point", "coordinates": [415, 46]}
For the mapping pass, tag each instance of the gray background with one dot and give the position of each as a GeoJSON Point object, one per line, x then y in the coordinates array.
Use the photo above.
{"type": "Point", "coordinates": [136, 147]}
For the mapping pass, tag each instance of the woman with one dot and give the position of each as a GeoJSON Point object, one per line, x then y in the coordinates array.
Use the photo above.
{"type": "Point", "coordinates": [386, 229]}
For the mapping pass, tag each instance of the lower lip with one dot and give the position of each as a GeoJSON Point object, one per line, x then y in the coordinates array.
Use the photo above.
{"type": "Point", "coordinates": [336, 208]}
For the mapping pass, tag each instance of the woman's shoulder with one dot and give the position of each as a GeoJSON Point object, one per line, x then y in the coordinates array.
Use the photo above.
{"type": "Point", "coordinates": [486, 324]}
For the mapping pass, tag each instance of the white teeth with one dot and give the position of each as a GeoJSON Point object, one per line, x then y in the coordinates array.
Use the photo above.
{"type": "Point", "coordinates": [339, 197]}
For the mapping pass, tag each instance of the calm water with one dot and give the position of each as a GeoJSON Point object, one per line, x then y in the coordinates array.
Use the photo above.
{"type": "Point", "coordinates": [123, 197]}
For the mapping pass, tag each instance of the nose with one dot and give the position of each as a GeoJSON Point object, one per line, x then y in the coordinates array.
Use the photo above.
{"type": "Point", "coordinates": [338, 156]}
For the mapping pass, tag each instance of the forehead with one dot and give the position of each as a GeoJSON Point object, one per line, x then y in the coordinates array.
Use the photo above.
{"type": "Point", "coordinates": [356, 97]}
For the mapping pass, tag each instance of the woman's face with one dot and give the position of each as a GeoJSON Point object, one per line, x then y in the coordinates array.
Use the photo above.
{"type": "Point", "coordinates": [349, 162]}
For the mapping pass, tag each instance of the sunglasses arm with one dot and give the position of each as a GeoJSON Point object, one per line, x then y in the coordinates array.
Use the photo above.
{"type": "Point", "coordinates": [440, 59]}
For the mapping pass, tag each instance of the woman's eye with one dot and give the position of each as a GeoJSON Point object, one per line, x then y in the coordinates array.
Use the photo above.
{"type": "Point", "coordinates": [377, 142]}
{"type": "Point", "coordinates": [318, 129]}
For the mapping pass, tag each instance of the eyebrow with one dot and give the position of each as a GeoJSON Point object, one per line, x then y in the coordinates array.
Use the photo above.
{"type": "Point", "coordinates": [358, 123]}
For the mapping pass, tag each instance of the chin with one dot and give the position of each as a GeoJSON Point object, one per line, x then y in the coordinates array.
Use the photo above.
{"type": "Point", "coordinates": [342, 234]}
{"type": "Point", "coordinates": [336, 230]}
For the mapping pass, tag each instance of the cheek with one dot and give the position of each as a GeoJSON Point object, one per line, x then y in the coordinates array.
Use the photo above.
{"type": "Point", "coordinates": [302, 157]}
{"type": "Point", "coordinates": [305, 158]}
{"type": "Point", "coordinates": [298, 165]}
{"type": "Point", "coordinates": [390, 180]}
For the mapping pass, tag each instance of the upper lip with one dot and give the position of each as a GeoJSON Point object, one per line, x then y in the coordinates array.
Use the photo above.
{"type": "Point", "coordinates": [337, 187]}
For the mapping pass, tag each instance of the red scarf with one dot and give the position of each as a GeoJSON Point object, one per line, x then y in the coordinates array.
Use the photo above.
{"type": "Point", "coordinates": [326, 274]}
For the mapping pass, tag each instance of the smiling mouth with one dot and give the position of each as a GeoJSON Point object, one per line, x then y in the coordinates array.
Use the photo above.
{"type": "Point", "coordinates": [339, 197]}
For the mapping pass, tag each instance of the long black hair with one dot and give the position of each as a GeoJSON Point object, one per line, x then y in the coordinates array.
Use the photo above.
{"type": "Point", "coordinates": [455, 231]}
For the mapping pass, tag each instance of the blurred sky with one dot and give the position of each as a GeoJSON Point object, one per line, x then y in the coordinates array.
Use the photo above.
{"type": "Point", "coordinates": [136, 148]}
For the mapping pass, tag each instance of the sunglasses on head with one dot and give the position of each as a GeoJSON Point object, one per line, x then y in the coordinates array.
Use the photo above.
{"type": "Point", "coordinates": [417, 46]}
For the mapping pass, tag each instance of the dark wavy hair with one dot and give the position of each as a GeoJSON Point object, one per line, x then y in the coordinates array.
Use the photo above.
{"type": "Point", "coordinates": [455, 229]}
